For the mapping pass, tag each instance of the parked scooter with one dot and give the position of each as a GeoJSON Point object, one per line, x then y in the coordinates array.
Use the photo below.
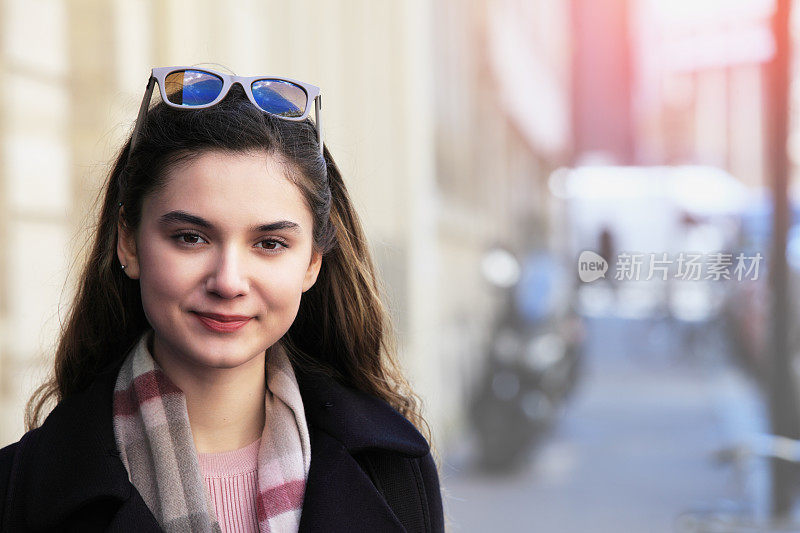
{"type": "Point", "coordinates": [533, 358]}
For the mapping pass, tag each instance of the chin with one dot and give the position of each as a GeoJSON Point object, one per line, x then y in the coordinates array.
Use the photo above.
{"type": "Point", "coordinates": [224, 354]}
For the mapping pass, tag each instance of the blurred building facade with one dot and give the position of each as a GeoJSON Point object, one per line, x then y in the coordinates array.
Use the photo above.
{"type": "Point", "coordinates": [502, 125]}
{"type": "Point", "coordinates": [602, 71]}
{"type": "Point", "coordinates": [699, 88]}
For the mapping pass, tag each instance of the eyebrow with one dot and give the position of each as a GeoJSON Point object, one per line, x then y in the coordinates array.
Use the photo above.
{"type": "Point", "coordinates": [176, 217]}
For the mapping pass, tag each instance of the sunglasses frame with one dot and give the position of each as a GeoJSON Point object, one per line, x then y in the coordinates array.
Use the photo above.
{"type": "Point", "coordinates": [159, 75]}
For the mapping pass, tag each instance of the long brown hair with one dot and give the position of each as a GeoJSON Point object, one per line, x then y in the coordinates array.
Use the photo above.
{"type": "Point", "coordinates": [342, 327]}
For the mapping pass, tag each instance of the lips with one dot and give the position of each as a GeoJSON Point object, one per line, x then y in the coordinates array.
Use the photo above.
{"type": "Point", "coordinates": [224, 318]}
{"type": "Point", "coordinates": [222, 323]}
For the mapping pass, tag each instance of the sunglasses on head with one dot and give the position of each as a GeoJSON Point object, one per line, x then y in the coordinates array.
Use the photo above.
{"type": "Point", "coordinates": [197, 88]}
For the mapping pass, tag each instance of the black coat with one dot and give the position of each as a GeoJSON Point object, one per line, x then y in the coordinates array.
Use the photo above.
{"type": "Point", "coordinates": [70, 476]}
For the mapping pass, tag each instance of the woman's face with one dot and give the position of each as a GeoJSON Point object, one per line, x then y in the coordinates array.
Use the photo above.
{"type": "Point", "coordinates": [222, 255]}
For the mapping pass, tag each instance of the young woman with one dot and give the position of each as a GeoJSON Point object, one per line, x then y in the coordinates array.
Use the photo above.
{"type": "Point", "coordinates": [227, 364]}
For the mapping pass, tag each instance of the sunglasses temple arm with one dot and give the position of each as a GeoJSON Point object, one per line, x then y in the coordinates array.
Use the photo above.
{"type": "Point", "coordinates": [148, 93]}
{"type": "Point", "coordinates": [318, 117]}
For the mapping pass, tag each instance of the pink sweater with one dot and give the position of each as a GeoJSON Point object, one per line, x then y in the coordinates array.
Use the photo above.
{"type": "Point", "coordinates": [232, 481]}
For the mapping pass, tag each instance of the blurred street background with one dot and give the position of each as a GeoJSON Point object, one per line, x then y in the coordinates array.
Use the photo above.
{"type": "Point", "coordinates": [585, 212]}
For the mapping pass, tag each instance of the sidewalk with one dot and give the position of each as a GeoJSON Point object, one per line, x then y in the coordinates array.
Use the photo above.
{"type": "Point", "coordinates": [634, 449]}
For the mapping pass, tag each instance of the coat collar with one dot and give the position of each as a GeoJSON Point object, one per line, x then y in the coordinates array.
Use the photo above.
{"type": "Point", "coordinates": [87, 467]}
{"type": "Point", "coordinates": [358, 420]}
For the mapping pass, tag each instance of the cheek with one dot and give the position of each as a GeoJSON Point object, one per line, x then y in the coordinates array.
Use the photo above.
{"type": "Point", "coordinates": [284, 285]}
{"type": "Point", "coordinates": [164, 276]}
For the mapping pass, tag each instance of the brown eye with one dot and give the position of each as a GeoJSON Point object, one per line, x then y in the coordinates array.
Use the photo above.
{"type": "Point", "coordinates": [188, 238]}
{"type": "Point", "coordinates": [272, 245]}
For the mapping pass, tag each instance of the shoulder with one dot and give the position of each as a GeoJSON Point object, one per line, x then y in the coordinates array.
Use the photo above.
{"type": "Point", "coordinates": [11, 461]}
{"type": "Point", "coordinates": [6, 458]}
{"type": "Point", "coordinates": [11, 457]}
{"type": "Point", "coordinates": [29, 467]}
{"type": "Point", "coordinates": [429, 475]}
{"type": "Point", "coordinates": [75, 442]}
{"type": "Point", "coordinates": [7, 455]}
{"type": "Point", "coordinates": [429, 486]}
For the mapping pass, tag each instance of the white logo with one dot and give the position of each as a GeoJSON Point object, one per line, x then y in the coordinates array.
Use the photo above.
{"type": "Point", "coordinates": [591, 266]}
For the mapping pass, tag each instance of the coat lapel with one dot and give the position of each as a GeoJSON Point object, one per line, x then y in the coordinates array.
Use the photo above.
{"type": "Point", "coordinates": [358, 420]}
{"type": "Point", "coordinates": [134, 515]}
{"type": "Point", "coordinates": [339, 495]}
{"type": "Point", "coordinates": [343, 422]}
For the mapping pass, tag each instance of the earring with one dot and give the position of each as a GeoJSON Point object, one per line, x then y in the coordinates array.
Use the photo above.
{"type": "Point", "coordinates": [123, 267]}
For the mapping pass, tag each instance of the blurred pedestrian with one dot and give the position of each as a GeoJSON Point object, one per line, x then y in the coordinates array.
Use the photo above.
{"type": "Point", "coordinates": [607, 250]}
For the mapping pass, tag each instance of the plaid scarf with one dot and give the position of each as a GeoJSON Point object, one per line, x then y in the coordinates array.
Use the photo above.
{"type": "Point", "coordinates": [151, 428]}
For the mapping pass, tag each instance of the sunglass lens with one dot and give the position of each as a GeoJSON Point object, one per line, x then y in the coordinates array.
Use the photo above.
{"type": "Point", "coordinates": [280, 97]}
{"type": "Point", "coordinates": [192, 87]}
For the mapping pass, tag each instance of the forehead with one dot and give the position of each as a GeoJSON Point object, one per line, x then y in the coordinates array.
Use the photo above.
{"type": "Point", "coordinates": [232, 190]}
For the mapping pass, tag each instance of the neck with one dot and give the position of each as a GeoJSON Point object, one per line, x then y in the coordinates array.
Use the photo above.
{"type": "Point", "coordinates": [225, 405]}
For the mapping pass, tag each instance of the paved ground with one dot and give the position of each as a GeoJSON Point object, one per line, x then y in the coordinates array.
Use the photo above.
{"type": "Point", "coordinates": [634, 448]}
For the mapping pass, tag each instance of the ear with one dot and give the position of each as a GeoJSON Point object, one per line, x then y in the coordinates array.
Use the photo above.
{"type": "Point", "coordinates": [126, 248]}
{"type": "Point", "coordinates": [313, 270]}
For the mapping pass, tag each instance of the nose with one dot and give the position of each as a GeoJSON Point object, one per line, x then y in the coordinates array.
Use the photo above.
{"type": "Point", "coordinates": [228, 278]}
